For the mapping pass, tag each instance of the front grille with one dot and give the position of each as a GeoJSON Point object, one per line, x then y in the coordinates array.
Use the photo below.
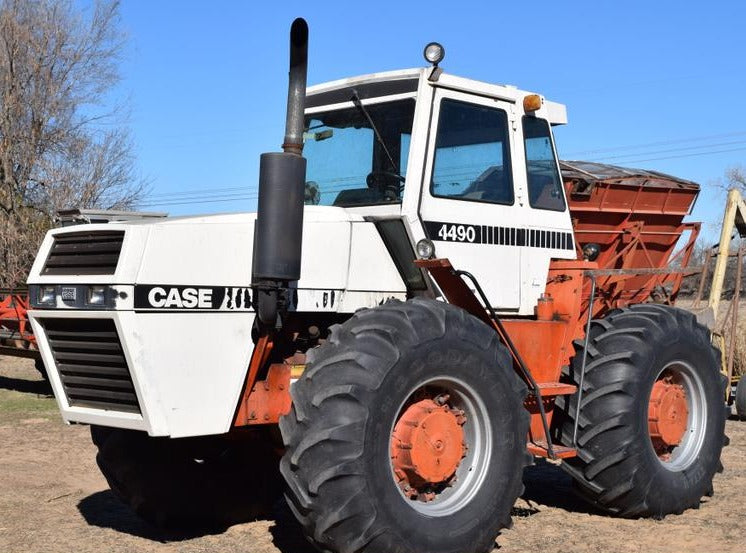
{"type": "Point", "coordinates": [84, 253]}
{"type": "Point", "coordinates": [91, 364]}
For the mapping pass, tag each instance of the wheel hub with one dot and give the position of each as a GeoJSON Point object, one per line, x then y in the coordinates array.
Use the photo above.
{"type": "Point", "coordinates": [427, 446]}
{"type": "Point", "coordinates": [668, 414]}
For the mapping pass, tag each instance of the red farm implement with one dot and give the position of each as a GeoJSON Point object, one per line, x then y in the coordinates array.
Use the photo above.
{"type": "Point", "coordinates": [630, 222]}
{"type": "Point", "coordinates": [16, 336]}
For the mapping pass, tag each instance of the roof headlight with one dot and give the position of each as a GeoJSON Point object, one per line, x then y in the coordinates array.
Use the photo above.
{"type": "Point", "coordinates": [434, 53]}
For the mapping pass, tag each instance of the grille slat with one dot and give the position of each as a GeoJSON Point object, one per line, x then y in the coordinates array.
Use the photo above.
{"type": "Point", "coordinates": [84, 253]}
{"type": "Point", "coordinates": [89, 248]}
{"type": "Point", "coordinates": [97, 382]}
{"type": "Point", "coordinates": [96, 394]}
{"type": "Point", "coordinates": [89, 358]}
{"type": "Point", "coordinates": [107, 346]}
{"type": "Point", "coordinates": [85, 259]}
{"type": "Point", "coordinates": [94, 357]}
{"type": "Point", "coordinates": [106, 405]}
{"type": "Point", "coordinates": [101, 236]}
{"type": "Point", "coordinates": [54, 334]}
{"type": "Point", "coordinates": [70, 368]}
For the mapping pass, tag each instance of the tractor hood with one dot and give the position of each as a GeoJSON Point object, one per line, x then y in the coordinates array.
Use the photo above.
{"type": "Point", "coordinates": [179, 313]}
{"type": "Point", "coordinates": [341, 253]}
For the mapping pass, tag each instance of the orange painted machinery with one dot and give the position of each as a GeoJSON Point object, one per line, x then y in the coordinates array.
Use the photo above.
{"type": "Point", "coordinates": [405, 421]}
{"type": "Point", "coordinates": [16, 336]}
{"type": "Point", "coordinates": [633, 247]}
{"type": "Point", "coordinates": [633, 219]}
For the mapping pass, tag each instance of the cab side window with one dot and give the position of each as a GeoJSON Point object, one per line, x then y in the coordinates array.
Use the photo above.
{"type": "Point", "coordinates": [472, 154]}
{"type": "Point", "coordinates": [544, 183]}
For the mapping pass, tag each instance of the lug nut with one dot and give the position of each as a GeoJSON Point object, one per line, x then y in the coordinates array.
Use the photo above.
{"type": "Point", "coordinates": [442, 399]}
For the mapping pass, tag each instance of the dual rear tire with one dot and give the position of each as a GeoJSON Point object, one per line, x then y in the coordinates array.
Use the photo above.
{"type": "Point", "coordinates": [740, 400]}
{"type": "Point", "coordinates": [652, 417]}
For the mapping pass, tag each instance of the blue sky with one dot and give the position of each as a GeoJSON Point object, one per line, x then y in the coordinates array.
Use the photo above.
{"type": "Point", "coordinates": [659, 85]}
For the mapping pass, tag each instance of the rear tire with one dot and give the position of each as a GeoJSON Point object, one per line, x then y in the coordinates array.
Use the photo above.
{"type": "Point", "coordinates": [205, 483]}
{"type": "Point", "coordinates": [741, 398]}
{"type": "Point", "coordinates": [339, 462]}
{"type": "Point", "coordinates": [618, 468]}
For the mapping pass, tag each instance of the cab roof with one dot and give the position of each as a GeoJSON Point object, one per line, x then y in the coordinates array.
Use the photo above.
{"type": "Point", "coordinates": [407, 81]}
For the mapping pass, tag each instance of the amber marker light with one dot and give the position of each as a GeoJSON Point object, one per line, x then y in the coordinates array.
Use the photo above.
{"type": "Point", "coordinates": [532, 102]}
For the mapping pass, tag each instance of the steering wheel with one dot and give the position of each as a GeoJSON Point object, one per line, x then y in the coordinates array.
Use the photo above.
{"type": "Point", "coordinates": [312, 194]}
{"type": "Point", "coordinates": [387, 182]}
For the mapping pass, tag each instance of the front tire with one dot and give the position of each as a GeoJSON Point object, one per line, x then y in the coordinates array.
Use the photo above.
{"type": "Point", "coordinates": [206, 483]}
{"type": "Point", "coordinates": [652, 419]}
{"type": "Point", "coordinates": [384, 375]}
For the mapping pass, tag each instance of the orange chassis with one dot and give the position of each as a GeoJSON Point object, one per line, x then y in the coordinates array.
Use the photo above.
{"type": "Point", "coordinates": [542, 345]}
{"type": "Point", "coordinates": [633, 218]}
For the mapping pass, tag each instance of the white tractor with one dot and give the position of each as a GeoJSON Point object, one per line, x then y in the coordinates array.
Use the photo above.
{"type": "Point", "coordinates": [205, 352]}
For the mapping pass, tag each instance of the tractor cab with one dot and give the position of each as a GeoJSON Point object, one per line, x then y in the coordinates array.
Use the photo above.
{"type": "Point", "coordinates": [468, 166]}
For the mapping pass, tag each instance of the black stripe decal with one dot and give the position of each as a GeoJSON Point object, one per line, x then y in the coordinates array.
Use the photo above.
{"type": "Point", "coordinates": [498, 236]}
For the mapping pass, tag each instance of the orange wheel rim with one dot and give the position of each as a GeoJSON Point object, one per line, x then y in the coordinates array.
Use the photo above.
{"type": "Point", "coordinates": [668, 415]}
{"type": "Point", "coordinates": [427, 445]}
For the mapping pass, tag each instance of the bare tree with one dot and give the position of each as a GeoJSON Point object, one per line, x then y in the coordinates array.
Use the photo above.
{"type": "Point", "coordinates": [736, 178]}
{"type": "Point", "coordinates": [58, 147]}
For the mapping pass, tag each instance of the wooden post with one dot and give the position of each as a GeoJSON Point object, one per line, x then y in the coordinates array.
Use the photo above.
{"type": "Point", "coordinates": [734, 315]}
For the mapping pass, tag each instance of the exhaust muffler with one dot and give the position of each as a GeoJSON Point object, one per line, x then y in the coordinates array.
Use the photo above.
{"type": "Point", "coordinates": [278, 233]}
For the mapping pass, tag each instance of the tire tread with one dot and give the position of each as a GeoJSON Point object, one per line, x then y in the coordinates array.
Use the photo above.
{"type": "Point", "coordinates": [325, 490]}
{"type": "Point", "coordinates": [610, 470]}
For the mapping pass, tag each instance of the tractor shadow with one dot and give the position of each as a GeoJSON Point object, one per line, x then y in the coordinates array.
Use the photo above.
{"type": "Point", "coordinates": [547, 485]}
{"type": "Point", "coordinates": [287, 535]}
{"type": "Point", "coordinates": [38, 387]}
{"type": "Point", "coordinates": [105, 510]}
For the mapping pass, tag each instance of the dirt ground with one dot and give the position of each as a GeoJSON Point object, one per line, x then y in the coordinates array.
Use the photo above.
{"type": "Point", "coordinates": [53, 499]}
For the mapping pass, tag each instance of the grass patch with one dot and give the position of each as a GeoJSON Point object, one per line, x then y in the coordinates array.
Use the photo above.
{"type": "Point", "coordinates": [15, 405]}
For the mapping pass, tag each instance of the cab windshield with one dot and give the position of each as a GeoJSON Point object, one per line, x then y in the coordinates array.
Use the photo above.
{"type": "Point", "coordinates": [348, 165]}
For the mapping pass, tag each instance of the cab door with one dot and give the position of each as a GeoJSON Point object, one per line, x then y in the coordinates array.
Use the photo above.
{"type": "Point", "coordinates": [468, 205]}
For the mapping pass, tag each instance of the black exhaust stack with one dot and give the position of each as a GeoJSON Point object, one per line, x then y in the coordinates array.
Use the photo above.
{"type": "Point", "coordinates": [282, 178]}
